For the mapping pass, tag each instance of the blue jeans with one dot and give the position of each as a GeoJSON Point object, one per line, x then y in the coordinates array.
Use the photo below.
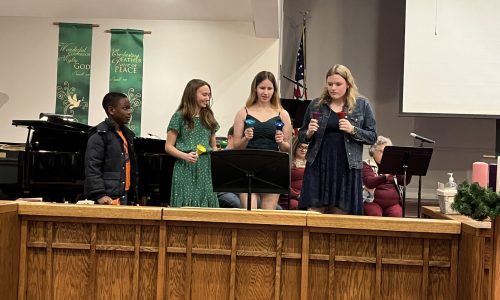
{"type": "Point", "coordinates": [229, 200]}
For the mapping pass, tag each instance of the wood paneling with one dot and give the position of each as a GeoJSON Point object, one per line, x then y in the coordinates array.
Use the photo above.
{"type": "Point", "coordinates": [9, 249]}
{"type": "Point", "coordinates": [204, 256]}
{"type": "Point", "coordinates": [495, 259]}
{"type": "Point", "coordinates": [473, 277]}
{"type": "Point", "coordinates": [77, 254]}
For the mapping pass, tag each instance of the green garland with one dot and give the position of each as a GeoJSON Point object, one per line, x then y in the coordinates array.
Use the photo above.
{"type": "Point", "coordinates": [476, 202]}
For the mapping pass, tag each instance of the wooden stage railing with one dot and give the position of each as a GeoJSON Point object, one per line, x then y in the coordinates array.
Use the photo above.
{"type": "Point", "coordinates": [475, 255]}
{"type": "Point", "coordinates": [101, 252]}
{"type": "Point", "coordinates": [9, 250]}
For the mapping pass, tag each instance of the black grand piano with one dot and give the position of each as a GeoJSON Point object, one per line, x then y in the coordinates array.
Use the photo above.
{"type": "Point", "coordinates": [50, 164]}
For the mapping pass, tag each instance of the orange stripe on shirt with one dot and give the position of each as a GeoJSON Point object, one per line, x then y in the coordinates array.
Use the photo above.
{"type": "Point", "coordinates": [127, 162]}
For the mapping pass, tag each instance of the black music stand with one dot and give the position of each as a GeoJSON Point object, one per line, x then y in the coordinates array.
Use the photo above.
{"type": "Point", "coordinates": [405, 161]}
{"type": "Point", "coordinates": [250, 171]}
{"type": "Point", "coordinates": [296, 109]}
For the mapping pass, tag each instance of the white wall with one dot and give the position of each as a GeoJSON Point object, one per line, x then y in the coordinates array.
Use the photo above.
{"type": "Point", "coordinates": [226, 54]}
{"type": "Point", "coordinates": [368, 37]}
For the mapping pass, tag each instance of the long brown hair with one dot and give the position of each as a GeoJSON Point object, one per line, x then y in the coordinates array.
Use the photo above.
{"type": "Point", "coordinates": [261, 76]}
{"type": "Point", "coordinates": [352, 89]}
{"type": "Point", "coordinates": [188, 106]}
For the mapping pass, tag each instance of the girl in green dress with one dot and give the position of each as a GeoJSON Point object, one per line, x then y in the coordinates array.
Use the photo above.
{"type": "Point", "coordinates": [192, 125]}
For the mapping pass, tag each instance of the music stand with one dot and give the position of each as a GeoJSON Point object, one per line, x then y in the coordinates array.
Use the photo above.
{"type": "Point", "coordinates": [296, 109]}
{"type": "Point", "coordinates": [250, 171]}
{"type": "Point", "coordinates": [405, 161]}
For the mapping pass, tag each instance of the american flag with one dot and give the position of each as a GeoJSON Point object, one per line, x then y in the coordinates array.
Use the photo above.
{"type": "Point", "coordinates": [299, 92]}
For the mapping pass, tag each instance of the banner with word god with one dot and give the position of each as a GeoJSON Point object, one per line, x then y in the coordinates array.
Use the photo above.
{"type": "Point", "coordinates": [73, 70]}
{"type": "Point", "coordinates": [126, 70]}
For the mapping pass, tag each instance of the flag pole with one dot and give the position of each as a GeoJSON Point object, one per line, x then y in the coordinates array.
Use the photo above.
{"type": "Point", "coordinates": [304, 23]}
{"type": "Point", "coordinates": [300, 90]}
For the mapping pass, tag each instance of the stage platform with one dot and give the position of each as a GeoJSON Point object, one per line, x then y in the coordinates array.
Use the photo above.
{"type": "Point", "coordinates": [68, 251]}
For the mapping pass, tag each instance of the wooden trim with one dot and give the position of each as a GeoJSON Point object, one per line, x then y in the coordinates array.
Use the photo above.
{"type": "Point", "coordinates": [384, 224]}
{"type": "Point", "coordinates": [291, 255]}
{"type": "Point", "coordinates": [277, 278]}
{"type": "Point", "coordinates": [150, 249]}
{"type": "Point", "coordinates": [21, 293]}
{"type": "Point", "coordinates": [161, 280]}
{"type": "Point", "coordinates": [48, 263]}
{"type": "Point", "coordinates": [75, 246]}
{"type": "Point", "coordinates": [425, 270]}
{"type": "Point", "coordinates": [188, 271]}
{"type": "Point", "coordinates": [454, 268]}
{"type": "Point", "coordinates": [471, 226]}
{"type": "Point", "coordinates": [85, 220]}
{"type": "Point", "coordinates": [8, 206]}
{"type": "Point", "coordinates": [378, 269]}
{"type": "Point", "coordinates": [115, 248]}
{"type": "Point", "coordinates": [383, 233]}
{"type": "Point", "coordinates": [356, 259]}
{"type": "Point", "coordinates": [176, 250]}
{"type": "Point", "coordinates": [495, 260]}
{"type": "Point", "coordinates": [90, 211]}
{"type": "Point", "coordinates": [404, 262]}
{"type": "Point", "coordinates": [233, 225]}
{"type": "Point", "coordinates": [439, 264]}
{"type": "Point", "coordinates": [482, 229]}
{"type": "Point", "coordinates": [137, 257]}
{"type": "Point", "coordinates": [93, 262]}
{"type": "Point", "coordinates": [304, 278]}
{"type": "Point", "coordinates": [241, 216]}
{"type": "Point", "coordinates": [232, 279]}
{"type": "Point", "coordinates": [331, 267]}
{"type": "Point", "coordinates": [208, 251]}
{"type": "Point", "coordinates": [251, 253]}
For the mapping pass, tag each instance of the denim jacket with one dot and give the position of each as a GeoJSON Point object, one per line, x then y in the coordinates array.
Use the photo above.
{"type": "Point", "coordinates": [362, 118]}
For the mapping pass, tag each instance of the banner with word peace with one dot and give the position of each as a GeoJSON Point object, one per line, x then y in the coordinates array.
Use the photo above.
{"type": "Point", "coordinates": [126, 70]}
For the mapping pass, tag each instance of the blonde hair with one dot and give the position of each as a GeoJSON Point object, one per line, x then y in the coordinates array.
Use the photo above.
{"type": "Point", "coordinates": [352, 89]}
{"type": "Point", "coordinates": [261, 76]}
{"type": "Point", "coordinates": [381, 141]}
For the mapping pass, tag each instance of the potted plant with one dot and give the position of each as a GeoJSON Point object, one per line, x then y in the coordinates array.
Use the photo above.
{"type": "Point", "coordinates": [476, 202]}
{"type": "Point", "coordinates": [480, 203]}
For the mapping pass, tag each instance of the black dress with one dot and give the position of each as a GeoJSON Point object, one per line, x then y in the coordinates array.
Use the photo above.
{"type": "Point", "coordinates": [328, 181]}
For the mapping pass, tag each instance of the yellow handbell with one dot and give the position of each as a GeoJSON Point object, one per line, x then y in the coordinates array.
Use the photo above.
{"type": "Point", "coordinates": [200, 149]}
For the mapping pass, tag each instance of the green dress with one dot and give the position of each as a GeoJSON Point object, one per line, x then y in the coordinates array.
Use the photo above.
{"type": "Point", "coordinates": [192, 183]}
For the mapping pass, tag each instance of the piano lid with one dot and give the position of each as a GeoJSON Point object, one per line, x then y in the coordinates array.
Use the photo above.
{"type": "Point", "coordinates": [52, 122]}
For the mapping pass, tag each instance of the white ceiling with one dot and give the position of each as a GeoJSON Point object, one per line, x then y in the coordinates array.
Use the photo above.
{"type": "Point", "coordinates": [264, 13]}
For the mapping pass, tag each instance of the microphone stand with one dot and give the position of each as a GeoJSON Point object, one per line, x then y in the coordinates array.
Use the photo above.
{"type": "Point", "coordinates": [419, 193]}
{"type": "Point", "coordinates": [294, 82]}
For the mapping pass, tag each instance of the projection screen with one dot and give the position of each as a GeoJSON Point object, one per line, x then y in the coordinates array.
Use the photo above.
{"type": "Point", "coordinates": [452, 58]}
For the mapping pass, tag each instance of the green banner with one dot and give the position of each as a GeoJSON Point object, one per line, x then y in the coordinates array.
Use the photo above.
{"type": "Point", "coordinates": [73, 70]}
{"type": "Point", "coordinates": [126, 70]}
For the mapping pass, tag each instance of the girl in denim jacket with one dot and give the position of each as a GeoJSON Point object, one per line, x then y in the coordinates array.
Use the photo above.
{"type": "Point", "coordinates": [336, 126]}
